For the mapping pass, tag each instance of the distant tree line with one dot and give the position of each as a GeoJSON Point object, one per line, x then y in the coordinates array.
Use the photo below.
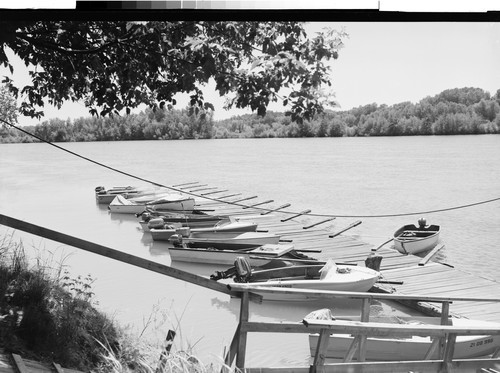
{"type": "Point", "coordinates": [451, 112]}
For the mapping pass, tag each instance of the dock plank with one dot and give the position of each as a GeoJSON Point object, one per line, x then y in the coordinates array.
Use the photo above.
{"type": "Point", "coordinates": [430, 279]}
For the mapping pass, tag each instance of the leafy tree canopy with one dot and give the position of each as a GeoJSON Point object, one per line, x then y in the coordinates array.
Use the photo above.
{"type": "Point", "coordinates": [8, 107]}
{"type": "Point", "coordinates": [116, 65]}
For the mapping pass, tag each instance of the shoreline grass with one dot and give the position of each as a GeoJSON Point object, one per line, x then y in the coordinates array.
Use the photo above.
{"type": "Point", "coordinates": [49, 316]}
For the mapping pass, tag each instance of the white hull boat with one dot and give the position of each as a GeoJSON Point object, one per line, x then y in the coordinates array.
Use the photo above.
{"type": "Point", "coordinates": [411, 347]}
{"type": "Point", "coordinates": [163, 234]}
{"type": "Point", "coordinates": [411, 239]}
{"type": "Point", "coordinates": [193, 220]}
{"type": "Point", "coordinates": [229, 240]}
{"type": "Point", "coordinates": [172, 201]}
{"type": "Point", "coordinates": [255, 256]}
{"type": "Point", "coordinates": [332, 277]}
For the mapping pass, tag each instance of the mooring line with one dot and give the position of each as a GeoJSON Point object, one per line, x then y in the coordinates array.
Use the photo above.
{"type": "Point", "coordinates": [179, 190]}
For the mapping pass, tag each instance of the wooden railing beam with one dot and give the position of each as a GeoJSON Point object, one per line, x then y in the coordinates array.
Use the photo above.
{"type": "Point", "coordinates": [329, 294]}
{"type": "Point", "coordinates": [428, 366]}
{"type": "Point", "coordinates": [353, 348]}
{"type": "Point", "coordinates": [113, 254]}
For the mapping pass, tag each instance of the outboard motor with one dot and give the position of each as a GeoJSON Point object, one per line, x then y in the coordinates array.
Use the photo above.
{"type": "Point", "coordinates": [100, 190]}
{"type": "Point", "coordinates": [183, 231]}
{"type": "Point", "coordinates": [243, 269]}
{"type": "Point", "coordinates": [176, 240]}
{"type": "Point", "coordinates": [422, 223]}
{"type": "Point", "coordinates": [156, 223]}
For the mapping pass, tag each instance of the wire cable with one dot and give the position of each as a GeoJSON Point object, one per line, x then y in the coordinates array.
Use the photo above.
{"type": "Point", "coordinates": [240, 204]}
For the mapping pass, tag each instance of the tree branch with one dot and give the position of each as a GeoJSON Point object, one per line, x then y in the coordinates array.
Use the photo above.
{"type": "Point", "coordinates": [57, 48]}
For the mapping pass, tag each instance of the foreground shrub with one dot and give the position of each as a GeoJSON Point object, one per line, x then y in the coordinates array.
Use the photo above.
{"type": "Point", "coordinates": [49, 317]}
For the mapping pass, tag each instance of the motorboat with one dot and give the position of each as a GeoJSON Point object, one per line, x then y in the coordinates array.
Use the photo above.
{"type": "Point", "coordinates": [328, 276]}
{"type": "Point", "coordinates": [152, 218]}
{"type": "Point", "coordinates": [105, 196]}
{"type": "Point", "coordinates": [256, 256]}
{"type": "Point", "coordinates": [221, 227]}
{"type": "Point", "coordinates": [225, 240]}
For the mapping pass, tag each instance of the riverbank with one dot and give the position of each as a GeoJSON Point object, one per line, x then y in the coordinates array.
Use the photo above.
{"type": "Point", "coordinates": [46, 315]}
{"type": "Point", "coordinates": [464, 111]}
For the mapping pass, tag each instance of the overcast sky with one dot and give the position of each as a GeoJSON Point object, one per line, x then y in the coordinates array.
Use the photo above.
{"type": "Point", "coordinates": [384, 63]}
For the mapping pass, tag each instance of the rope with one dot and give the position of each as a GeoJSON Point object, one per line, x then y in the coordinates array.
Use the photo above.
{"type": "Point", "coordinates": [239, 204]}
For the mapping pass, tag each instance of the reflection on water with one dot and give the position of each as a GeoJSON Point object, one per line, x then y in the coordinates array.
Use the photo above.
{"type": "Point", "coordinates": [199, 268]}
{"type": "Point", "coordinates": [123, 217]}
{"type": "Point", "coordinates": [295, 311]}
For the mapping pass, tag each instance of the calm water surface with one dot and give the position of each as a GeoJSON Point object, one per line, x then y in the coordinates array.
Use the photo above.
{"type": "Point", "coordinates": [353, 178]}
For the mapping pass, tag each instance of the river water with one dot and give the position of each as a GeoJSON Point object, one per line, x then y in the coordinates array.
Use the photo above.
{"type": "Point", "coordinates": [352, 178]}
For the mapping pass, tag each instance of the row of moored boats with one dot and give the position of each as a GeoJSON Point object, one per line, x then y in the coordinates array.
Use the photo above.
{"type": "Point", "coordinates": [254, 259]}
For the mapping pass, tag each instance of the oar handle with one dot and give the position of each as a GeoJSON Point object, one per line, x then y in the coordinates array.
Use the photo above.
{"type": "Point", "coordinates": [386, 242]}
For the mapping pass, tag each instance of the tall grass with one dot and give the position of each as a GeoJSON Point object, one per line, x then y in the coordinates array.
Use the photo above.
{"type": "Point", "coordinates": [48, 315]}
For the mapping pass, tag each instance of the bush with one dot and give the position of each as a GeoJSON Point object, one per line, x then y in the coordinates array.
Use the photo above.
{"type": "Point", "coordinates": [50, 318]}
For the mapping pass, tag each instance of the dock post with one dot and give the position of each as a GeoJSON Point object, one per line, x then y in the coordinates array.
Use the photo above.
{"type": "Point", "coordinates": [166, 351]}
{"type": "Point", "coordinates": [321, 348]}
{"type": "Point", "coordinates": [445, 314]}
{"type": "Point", "coordinates": [448, 353]}
{"type": "Point", "coordinates": [365, 317]}
{"type": "Point", "coordinates": [242, 337]}
{"type": "Point", "coordinates": [373, 262]}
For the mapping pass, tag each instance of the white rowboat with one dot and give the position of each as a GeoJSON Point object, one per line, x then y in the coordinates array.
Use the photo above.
{"type": "Point", "coordinates": [172, 201]}
{"type": "Point", "coordinates": [412, 347]}
{"type": "Point", "coordinates": [411, 239]}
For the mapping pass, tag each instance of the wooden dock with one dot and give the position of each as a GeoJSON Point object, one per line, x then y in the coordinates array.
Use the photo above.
{"type": "Point", "coordinates": [406, 277]}
{"type": "Point", "coordinates": [405, 274]}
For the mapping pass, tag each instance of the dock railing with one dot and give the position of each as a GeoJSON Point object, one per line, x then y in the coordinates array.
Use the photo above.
{"type": "Point", "coordinates": [444, 334]}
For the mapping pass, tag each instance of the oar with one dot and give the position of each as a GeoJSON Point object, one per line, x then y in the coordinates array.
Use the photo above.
{"type": "Point", "coordinates": [356, 223]}
{"type": "Point", "coordinates": [386, 242]}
